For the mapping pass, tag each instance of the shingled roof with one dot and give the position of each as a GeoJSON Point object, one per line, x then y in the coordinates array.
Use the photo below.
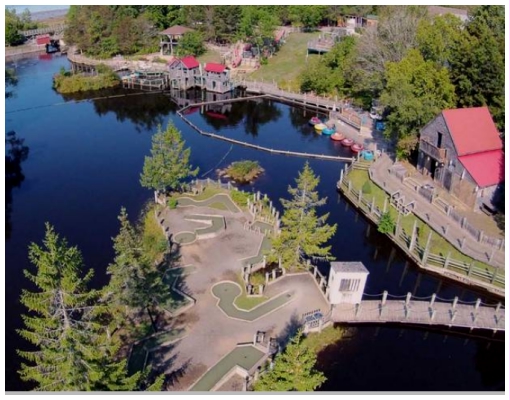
{"type": "Point", "coordinates": [176, 30]}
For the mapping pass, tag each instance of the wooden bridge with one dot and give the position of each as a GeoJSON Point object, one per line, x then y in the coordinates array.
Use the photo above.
{"type": "Point", "coordinates": [55, 30]}
{"type": "Point", "coordinates": [421, 312]}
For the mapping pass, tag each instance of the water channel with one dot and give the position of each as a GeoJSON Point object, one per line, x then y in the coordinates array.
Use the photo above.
{"type": "Point", "coordinates": [83, 163]}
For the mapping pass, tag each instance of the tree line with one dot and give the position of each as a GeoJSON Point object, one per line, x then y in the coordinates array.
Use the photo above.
{"type": "Point", "coordinates": [108, 30]}
{"type": "Point", "coordinates": [17, 22]}
{"type": "Point", "coordinates": [417, 66]}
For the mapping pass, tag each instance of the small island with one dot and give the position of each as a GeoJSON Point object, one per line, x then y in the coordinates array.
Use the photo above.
{"type": "Point", "coordinates": [245, 171]}
{"type": "Point", "coordinates": [65, 82]}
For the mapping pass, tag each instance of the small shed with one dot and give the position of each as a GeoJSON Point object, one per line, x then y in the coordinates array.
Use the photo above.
{"type": "Point", "coordinates": [42, 39]}
{"type": "Point", "coordinates": [347, 282]}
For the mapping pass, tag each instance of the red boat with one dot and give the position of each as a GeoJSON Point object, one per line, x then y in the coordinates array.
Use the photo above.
{"type": "Point", "coordinates": [314, 121]}
{"type": "Point", "coordinates": [347, 142]}
{"type": "Point", "coordinates": [338, 136]}
{"type": "Point", "coordinates": [356, 147]}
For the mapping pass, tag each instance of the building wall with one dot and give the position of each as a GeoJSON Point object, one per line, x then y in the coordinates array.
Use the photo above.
{"type": "Point", "coordinates": [336, 296]}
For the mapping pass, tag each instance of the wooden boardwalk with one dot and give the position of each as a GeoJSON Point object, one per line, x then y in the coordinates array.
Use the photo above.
{"type": "Point", "coordinates": [422, 313]}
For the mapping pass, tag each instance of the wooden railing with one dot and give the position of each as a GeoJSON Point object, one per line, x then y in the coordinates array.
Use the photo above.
{"type": "Point", "coordinates": [433, 151]}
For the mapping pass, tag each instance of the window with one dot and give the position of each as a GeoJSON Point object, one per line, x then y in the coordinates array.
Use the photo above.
{"type": "Point", "coordinates": [349, 285]}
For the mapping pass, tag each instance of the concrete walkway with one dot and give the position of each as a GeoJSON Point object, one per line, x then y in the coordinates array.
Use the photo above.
{"type": "Point", "coordinates": [429, 213]}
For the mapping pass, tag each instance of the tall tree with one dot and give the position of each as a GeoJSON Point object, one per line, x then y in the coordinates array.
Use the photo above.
{"type": "Point", "coordinates": [68, 355]}
{"type": "Point", "coordinates": [294, 370]}
{"type": "Point", "coordinates": [191, 44]}
{"type": "Point", "coordinates": [416, 91]}
{"type": "Point", "coordinates": [303, 232]}
{"type": "Point", "coordinates": [168, 167]}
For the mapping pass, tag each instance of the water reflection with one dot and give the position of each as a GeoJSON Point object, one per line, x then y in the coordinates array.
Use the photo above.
{"type": "Point", "coordinates": [15, 153]}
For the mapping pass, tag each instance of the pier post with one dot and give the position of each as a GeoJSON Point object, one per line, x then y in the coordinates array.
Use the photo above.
{"type": "Point", "coordinates": [407, 311]}
{"type": "Point", "coordinates": [413, 236]}
{"type": "Point", "coordinates": [477, 304]}
{"type": "Point", "coordinates": [494, 275]}
{"type": "Point", "coordinates": [368, 230]}
{"type": "Point", "coordinates": [350, 187]}
{"type": "Point", "coordinates": [433, 315]}
{"type": "Point", "coordinates": [358, 309]}
{"type": "Point", "coordinates": [315, 271]}
{"type": "Point", "coordinates": [360, 194]}
{"type": "Point", "coordinates": [480, 236]}
{"type": "Point", "coordinates": [454, 304]}
{"type": "Point", "coordinates": [372, 206]}
{"type": "Point", "coordinates": [447, 260]}
{"type": "Point", "coordinates": [385, 204]}
{"type": "Point", "coordinates": [426, 251]}
{"type": "Point", "coordinates": [432, 300]}
{"type": "Point", "coordinates": [454, 314]}
{"type": "Point", "coordinates": [341, 176]}
{"type": "Point", "coordinates": [397, 226]}
{"type": "Point", "coordinates": [492, 254]}
{"type": "Point", "coordinates": [384, 297]}
{"type": "Point", "coordinates": [408, 298]}
{"type": "Point", "coordinates": [462, 242]}
{"type": "Point", "coordinates": [267, 278]}
{"type": "Point", "coordinates": [498, 307]}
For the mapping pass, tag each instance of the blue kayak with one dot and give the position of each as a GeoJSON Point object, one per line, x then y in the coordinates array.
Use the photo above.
{"type": "Point", "coordinates": [328, 131]}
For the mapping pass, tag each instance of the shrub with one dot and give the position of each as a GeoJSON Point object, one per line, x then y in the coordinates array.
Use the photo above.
{"type": "Point", "coordinates": [172, 203]}
{"type": "Point", "coordinates": [239, 197]}
{"type": "Point", "coordinates": [244, 171]}
{"type": "Point", "coordinates": [257, 279]}
{"type": "Point", "coordinates": [386, 224]}
{"type": "Point", "coordinates": [367, 188]}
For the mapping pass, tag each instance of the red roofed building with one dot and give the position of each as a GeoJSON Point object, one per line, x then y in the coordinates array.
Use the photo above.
{"type": "Point", "coordinates": [184, 73]}
{"type": "Point", "coordinates": [462, 151]}
{"type": "Point", "coordinates": [216, 78]}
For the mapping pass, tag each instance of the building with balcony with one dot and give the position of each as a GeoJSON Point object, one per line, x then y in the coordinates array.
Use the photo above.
{"type": "Point", "coordinates": [185, 73]}
{"type": "Point", "coordinates": [461, 150]}
{"type": "Point", "coordinates": [169, 38]}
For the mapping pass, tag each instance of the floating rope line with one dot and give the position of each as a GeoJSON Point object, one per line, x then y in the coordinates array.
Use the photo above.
{"type": "Point", "coordinates": [216, 166]}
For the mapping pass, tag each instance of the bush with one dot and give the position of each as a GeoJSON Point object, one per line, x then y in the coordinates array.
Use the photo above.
{"type": "Point", "coordinates": [65, 83]}
{"type": "Point", "coordinates": [172, 203]}
{"type": "Point", "coordinates": [239, 197]}
{"type": "Point", "coordinates": [386, 224]}
{"type": "Point", "coordinates": [257, 279]}
{"type": "Point", "coordinates": [244, 171]}
{"type": "Point", "coordinates": [367, 188]}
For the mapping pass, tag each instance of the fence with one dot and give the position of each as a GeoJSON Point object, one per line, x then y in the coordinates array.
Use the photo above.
{"type": "Point", "coordinates": [443, 205]}
{"type": "Point", "coordinates": [462, 271]}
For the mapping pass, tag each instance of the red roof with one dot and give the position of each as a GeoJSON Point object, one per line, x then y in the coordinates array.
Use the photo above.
{"type": "Point", "coordinates": [472, 130]}
{"type": "Point", "coordinates": [213, 67]}
{"type": "Point", "coordinates": [487, 168]}
{"type": "Point", "coordinates": [188, 61]}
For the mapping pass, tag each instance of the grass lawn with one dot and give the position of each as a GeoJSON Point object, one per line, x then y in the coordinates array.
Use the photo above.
{"type": "Point", "coordinates": [210, 56]}
{"type": "Point", "coordinates": [286, 65]}
{"type": "Point", "coordinates": [438, 245]}
{"type": "Point", "coordinates": [247, 303]}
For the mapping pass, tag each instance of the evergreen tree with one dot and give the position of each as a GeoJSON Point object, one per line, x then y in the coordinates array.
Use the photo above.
{"type": "Point", "coordinates": [293, 370]}
{"type": "Point", "coordinates": [73, 352]}
{"type": "Point", "coordinates": [303, 232]}
{"type": "Point", "coordinates": [169, 166]}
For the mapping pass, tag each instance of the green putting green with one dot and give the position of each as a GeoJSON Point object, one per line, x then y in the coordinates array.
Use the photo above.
{"type": "Point", "coordinates": [217, 198]}
{"type": "Point", "coordinates": [265, 246]}
{"type": "Point", "coordinates": [244, 356]}
{"type": "Point", "coordinates": [226, 292]}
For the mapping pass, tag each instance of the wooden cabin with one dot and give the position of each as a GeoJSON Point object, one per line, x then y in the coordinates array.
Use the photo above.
{"type": "Point", "coordinates": [216, 78]}
{"type": "Point", "coordinates": [184, 73]}
{"type": "Point", "coordinates": [461, 151]}
{"type": "Point", "coordinates": [170, 38]}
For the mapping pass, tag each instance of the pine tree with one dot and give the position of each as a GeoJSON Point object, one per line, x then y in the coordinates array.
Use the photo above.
{"type": "Point", "coordinates": [169, 166]}
{"type": "Point", "coordinates": [303, 232]}
{"type": "Point", "coordinates": [293, 370]}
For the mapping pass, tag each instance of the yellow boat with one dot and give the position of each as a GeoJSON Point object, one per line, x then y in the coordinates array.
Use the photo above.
{"type": "Point", "coordinates": [320, 127]}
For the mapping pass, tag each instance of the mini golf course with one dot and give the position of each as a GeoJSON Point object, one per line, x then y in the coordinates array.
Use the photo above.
{"type": "Point", "coordinates": [244, 356]}
{"type": "Point", "coordinates": [216, 223]}
{"type": "Point", "coordinates": [226, 292]}
{"type": "Point", "coordinates": [217, 198]}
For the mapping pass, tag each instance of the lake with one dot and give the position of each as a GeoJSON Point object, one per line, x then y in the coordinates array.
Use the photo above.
{"type": "Point", "coordinates": [83, 164]}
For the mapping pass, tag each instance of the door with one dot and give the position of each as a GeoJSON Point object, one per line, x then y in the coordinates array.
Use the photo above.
{"type": "Point", "coordinates": [447, 181]}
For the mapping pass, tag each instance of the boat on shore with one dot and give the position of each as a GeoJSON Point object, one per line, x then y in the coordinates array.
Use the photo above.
{"type": "Point", "coordinates": [337, 136]}
{"type": "Point", "coordinates": [356, 147]}
{"type": "Point", "coordinates": [328, 131]}
{"type": "Point", "coordinates": [347, 142]}
{"type": "Point", "coordinates": [320, 127]}
{"type": "Point", "coordinates": [314, 121]}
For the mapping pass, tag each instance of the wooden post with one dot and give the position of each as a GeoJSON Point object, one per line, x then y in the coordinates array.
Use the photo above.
{"type": "Point", "coordinates": [358, 309]}
{"type": "Point", "coordinates": [349, 187]}
{"type": "Point", "coordinates": [480, 236]}
{"type": "Point", "coordinates": [454, 304]}
{"type": "Point", "coordinates": [267, 278]}
{"type": "Point", "coordinates": [498, 307]}
{"type": "Point", "coordinates": [372, 206]}
{"type": "Point", "coordinates": [384, 297]}
{"type": "Point", "coordinates": [360, 194]}
{"type": "Point", "coordinates": [492, 254]}
{"type": "Point", "coordinates": [341, 176]}
{"type": "Point", "coordinates": [454, 314]}
{"type": "Point", "coordinates": [471, 265]}
{"type": "Point", "coordinates": [433, 315]}
{"type": "Point", "coordinates": [397, 226]}
{"type": "Point", "coordinates": [477, 305]}
{"type": "Point", "coordinates": [493, 279]}
{"type": "Point", "coordinates": [426, 251]}
{"type": "Point", "coordinates": [447, 260]}
{"type": "Point", "coordinates": [408, 298]}
{"type": "Point", "coordinates": [432, 300]}
{"type": "Point", "coordinates": [413, 236]}
{"type": "Point", "coordinates": [407, 311]}
{"type": "Point", "coordinates": [385, 204]}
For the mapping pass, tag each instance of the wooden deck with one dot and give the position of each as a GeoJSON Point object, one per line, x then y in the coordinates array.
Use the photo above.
{"type": "Point", "coordinates": [422, 313]}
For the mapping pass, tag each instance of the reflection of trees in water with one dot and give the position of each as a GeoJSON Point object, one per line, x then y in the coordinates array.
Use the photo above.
{"type": "Point", "coordinates": [146, 111]}
{"type": "Point", "coordinates": [299, 118]}
{"type": "Point", "coordinates": [15, 153]}
{"type": "Point", "coordinates": [252, 113]}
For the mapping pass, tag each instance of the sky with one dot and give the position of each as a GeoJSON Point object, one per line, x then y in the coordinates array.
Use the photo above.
{"type": "Point", "coordinates": [37, 8]}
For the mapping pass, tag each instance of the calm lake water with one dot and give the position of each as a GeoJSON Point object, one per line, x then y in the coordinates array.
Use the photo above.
{"type": "Point", "coordinates": [84, 161]}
